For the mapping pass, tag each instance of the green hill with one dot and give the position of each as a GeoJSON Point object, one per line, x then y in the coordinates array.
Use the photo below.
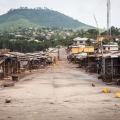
{"type": "Point", "coordinates": [24, 17]}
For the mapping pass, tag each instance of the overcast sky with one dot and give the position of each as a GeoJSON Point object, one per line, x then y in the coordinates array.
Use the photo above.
{"type": "Point", "coordinates": [82, 10]}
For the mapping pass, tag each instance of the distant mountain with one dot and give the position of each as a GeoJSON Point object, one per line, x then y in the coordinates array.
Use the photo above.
{"type": "Point", "coordinates": [24, 17]}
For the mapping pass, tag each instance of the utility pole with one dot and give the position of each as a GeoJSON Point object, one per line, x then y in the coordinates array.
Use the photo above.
{"type": "Point", "coordinates": [101, 44]}
{"type": "Point", "coordinates": [58, 53]}
{"type": "Point", "coordinates": [108, 17]}
{"type": "Point", "coordinates": [96, 24]}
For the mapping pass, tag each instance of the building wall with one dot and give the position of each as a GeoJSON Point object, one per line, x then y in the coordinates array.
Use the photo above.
{"type": "Point", "coordinates": [112, 48]}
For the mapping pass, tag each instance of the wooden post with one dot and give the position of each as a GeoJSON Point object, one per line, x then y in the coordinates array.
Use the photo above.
{"type": "Point", "coordinates": [4, 68]}
{"type": "Point", "coordinates": [104, 66]}
{"type": "Point", "coordinates": [112, 68]}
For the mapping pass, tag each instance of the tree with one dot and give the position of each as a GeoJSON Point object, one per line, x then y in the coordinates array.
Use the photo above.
{"type": "Point", "coordinates": [114, 31]}
{"type": "Point", "coordinates": [92, 33]}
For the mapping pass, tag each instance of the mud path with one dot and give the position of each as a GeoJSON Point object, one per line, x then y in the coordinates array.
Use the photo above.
{"type": "Point", "coordinates": [61, 92]}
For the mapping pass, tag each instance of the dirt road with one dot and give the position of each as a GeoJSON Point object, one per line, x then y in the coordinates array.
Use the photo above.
{"type": "Point", "coordinates": [61, 92]}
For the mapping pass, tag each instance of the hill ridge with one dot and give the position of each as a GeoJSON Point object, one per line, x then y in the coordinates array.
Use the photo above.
{"type": "Point", "coordinates": [39, 17]}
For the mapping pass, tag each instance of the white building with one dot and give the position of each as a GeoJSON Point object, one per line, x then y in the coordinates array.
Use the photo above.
{"type": "Point", "coordinates": [80, 41]}
{"type": "Point", "coordinates": [111, 47]}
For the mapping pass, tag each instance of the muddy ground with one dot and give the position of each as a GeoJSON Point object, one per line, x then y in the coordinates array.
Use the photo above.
{"type": "Point", "coordinates": [60, 92]}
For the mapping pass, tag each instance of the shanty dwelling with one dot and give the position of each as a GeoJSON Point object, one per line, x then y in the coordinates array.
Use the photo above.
{"type": "Point", "coordinates": [88, 62]}
{"type": "Point", "coordinates": [34, 63]}
{"type": "Point", "coordinates": [43, 61]}
{"type": "Point", "coordinates": [92, 63]}
{"type": "Point", "coordinates": [49, 60]}
{"type": "Point", "coordinates": [2, 64]}
{"type": "Point", "coordinates": [27, 62]}
{"type": "Point", "coordinates": [81, 59]}
{"type": "Point", "coordinates": [21, 60]}
{"type": "Point", "coordinates": [37, 60]}
{"type": "Point", "coordinates": [71, 58]}
{"type": "Point", "coordinates": [82, 62]}
{"type": "Point", "coordinates": [24, 63]}
{"type": "Point", "coordinates": [9, 65]}
{"type": "Point", "coordinates": [80, 56]}
{"type": "Point", "coordinates": [110, 69]}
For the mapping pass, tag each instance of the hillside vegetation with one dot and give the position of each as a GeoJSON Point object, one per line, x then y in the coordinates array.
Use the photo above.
{"type": "Point", "coordinates": [24, 17]}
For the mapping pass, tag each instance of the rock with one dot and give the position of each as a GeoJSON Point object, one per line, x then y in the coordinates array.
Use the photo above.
{"type": "Point", "coordinates": [8, 100]}
{"type": "Point", "coordinates": [51, 102]}
{"type": "Point", "coordinates": [93, 85]}
{"type": "Point", "coordinates": [9, 117]}
{"type": "Point", "coordinates": [66, 101]}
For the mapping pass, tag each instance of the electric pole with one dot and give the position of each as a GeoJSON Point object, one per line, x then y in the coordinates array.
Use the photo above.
{"type": "Point", "coordinates": [108, 17]}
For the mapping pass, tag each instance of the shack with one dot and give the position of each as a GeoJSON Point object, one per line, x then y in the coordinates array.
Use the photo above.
{"type": "Point", "coordinates": [9, 65]}
{"type": "Point", "coordinates": [91, 63]}
{"type": "Point", "coordinates": [88, 61]}
{"type": "Point", "coordinates": [2, 64]}
{"type": "Point", "coordinates": [110, 68]}
{"type": "Point", "coordinates": [81, 59]}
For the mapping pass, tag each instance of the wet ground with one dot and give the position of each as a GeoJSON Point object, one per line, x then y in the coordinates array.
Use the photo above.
{"type": "Point", "coordinates": [60, 92]}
